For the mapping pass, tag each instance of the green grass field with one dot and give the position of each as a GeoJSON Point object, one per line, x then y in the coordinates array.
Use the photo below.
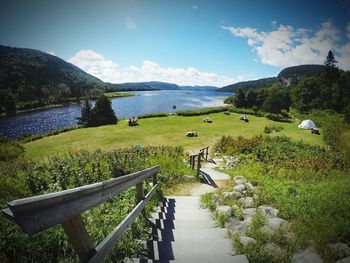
{"type": "Point", "coordinates": [161, 131]}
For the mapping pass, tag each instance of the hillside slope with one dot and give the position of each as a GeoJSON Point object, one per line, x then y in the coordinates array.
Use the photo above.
{"type": "Point", "coordinates": [288, 76]}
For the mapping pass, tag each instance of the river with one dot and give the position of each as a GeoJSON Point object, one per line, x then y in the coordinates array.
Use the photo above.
{"type": "Point", "coordinates": [43, 121]}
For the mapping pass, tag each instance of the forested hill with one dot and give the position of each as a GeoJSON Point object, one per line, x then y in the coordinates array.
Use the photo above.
{"type": "Point", "coordinates": [288, 76]}
{"type": "Point", "coordinates": [251, 84]}
{"type": "Point", "coordinates": [31, 75]}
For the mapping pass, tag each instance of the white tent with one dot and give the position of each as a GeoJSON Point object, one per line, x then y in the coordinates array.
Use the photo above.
{"type": "Point", "coordinates": [307, 125]}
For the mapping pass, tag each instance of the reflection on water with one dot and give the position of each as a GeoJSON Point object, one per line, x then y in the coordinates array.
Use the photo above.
{"type": "Point", "coordinates": [40, 122]}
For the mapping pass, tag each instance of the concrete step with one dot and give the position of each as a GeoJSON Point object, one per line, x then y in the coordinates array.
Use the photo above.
{"type": "Point", "coordinates": [183, 224]}
{"type": "Point", "coordinates": [187, 249]}
{"type": "Point", "coordinates": [229, 259]}
{"type": "Point", "coordinates": [195, 235]}
{"type": "Point", "coordinates": [215, 175]}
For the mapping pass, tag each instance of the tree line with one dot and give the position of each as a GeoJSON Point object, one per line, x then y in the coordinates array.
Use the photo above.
{"type": "Point", "coordinates": [328, 90]}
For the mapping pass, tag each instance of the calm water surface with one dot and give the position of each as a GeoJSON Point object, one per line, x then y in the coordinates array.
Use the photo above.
{"type": "Point", "coordinates": [41, 122]}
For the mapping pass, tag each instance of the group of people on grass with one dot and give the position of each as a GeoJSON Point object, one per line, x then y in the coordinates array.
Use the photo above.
{"type": "Point", "coordinates": [132, 121]}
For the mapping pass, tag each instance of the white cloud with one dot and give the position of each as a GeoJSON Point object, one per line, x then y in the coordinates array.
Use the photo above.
{"type": "Point", "coordinates": [195, 7]}
{"type": "Point", "coordinates": [107, 70]}
{"type": "Point", "coordinates": [288, 46]}
{"type": "Point", "coordinates": [51, 52]}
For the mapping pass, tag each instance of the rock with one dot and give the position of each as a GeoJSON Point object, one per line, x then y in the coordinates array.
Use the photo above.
{"type": "Point", "coordinates": [249, 186]}
{"type": "Point", "coordinates": [289, 236]}
{"type": "Point", "coordinates": [240, 259]}
{"type": "Point", "coordinates": [239, 188]}
{"type": "Point", "coordinates": [224, 210]}
{"type": "Point", "coordinates": [246, 240]}
{"type": "Point", "coordinates": [249, 212]}
{"type": "Point", "coordinates": [235, 225]}
{"type": "Point", "coordinates": [268, 211]}
{"type": "Point", "coordinates": [238, 177]}
{"type": "Point", "coordinates": [339, 250]}
{"type": "Point", "coordinates": [273, 249]}
{"type": "Point", "coordinates": [247, 201]}
{"type": "Point", "coordinates": [229, 195]}
{"type": "Point", "coordinates": [307, 256]}
{"type": "Point", "coordinates": [275, 223]}
{"type": "Point", "coordinates": [343, 260]}
{"type": "Point", "coordinates": [240, 181]}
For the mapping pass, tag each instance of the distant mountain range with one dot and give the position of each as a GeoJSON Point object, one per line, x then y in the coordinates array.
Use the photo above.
{"type": "Point", "coordinates": [288, 76]}
{"type": "Point", "coordinates": [33, 78]}
{"type": "Point", "coordinates": [156, 85]}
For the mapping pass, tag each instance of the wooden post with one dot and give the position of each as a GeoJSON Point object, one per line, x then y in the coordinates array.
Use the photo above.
{"type": "Point", "coordinates": [154, 179]}
{"type": "Point", "coordinates": [198, 163]}
{"type": "Point", "coordinates": [79, 237]}
{"type": "Point", "coordinates": [140, 195]}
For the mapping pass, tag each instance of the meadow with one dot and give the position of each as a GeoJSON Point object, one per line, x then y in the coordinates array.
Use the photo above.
{"type": "Point", "coordinates": [162, 131]}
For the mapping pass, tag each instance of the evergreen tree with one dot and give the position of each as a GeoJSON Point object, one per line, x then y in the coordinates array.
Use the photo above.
{"type": "Point", "coordinates": [252, 99]}
{"type": "Point", "coordinates": [10, 105]}
{"type": "Point", "coordinates": [239, 100]}
{"type": "Point", "coordinates": [103, 112]}
{"type": "Point", "coordinates": [87, 117]}
{"type": "Point", "coordinates": [330, 61]}
{"type": "Point", "coordinates": [277, 100]}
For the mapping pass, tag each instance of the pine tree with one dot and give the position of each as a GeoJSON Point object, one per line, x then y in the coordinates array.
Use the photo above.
{"type": "Point", "coordinates": [87, 116]}
{"type": "Point", "coordinates": [330, 61]}
{"type": "Point", "coordinates": [10, 105]}
{"type": "Point", "coordinates": [239, 100]}
{"type": "Point", "coordinates": [103, 112]}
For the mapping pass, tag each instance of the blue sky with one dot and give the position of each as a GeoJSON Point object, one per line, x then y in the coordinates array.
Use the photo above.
{"type": "Point", "coordinates": [184, 42]}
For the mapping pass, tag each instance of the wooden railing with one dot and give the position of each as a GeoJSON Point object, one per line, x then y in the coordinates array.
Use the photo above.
{"type": "Point", "coordinates": [195, 159]}
{"type": "Point", "coordinates": [205, 152]}
{"type": "Point", "coordinates": [35, 214]}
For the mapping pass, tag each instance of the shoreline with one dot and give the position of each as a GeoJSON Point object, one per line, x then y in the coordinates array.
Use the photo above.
{"type": "Point", "coordinates": [52, 106]}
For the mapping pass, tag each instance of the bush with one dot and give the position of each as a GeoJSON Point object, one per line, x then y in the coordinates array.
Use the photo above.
{"type": "Point", "coordinates": [10, 149]}
{"type": "Point", "coordinates": [21, 178]}
{"type": "Point", "coordinates": [230, 146]}
{"type": "Point", "coordinates": [272, 128]}
{"type": "Point", "coordinates": [201, 112]}
{"type": "Point", "coordinates": [153, 115]}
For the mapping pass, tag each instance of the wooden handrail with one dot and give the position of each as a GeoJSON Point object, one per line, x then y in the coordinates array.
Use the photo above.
{"type": "Point", "coordinates": [204, 152]}
{"type": "Point", "coordinates": [35, 214]}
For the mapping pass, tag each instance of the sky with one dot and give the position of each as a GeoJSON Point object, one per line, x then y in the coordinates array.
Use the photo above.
{"type": "Point", "coordinates": [185, 42]}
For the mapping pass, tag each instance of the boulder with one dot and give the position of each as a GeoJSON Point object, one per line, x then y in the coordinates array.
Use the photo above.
{"type": "Point", "coordinates": [268, 211]}
{"type": "Point", "coordinates": [235, 225]}
{"type": "Point", "coordinates": [249, 212]}
{"type": "Point", "coordinates": [307, 256]}
{"type": "Point", "coordinates": [224, 210]}
{"type": "Point", "coordinates": [273, 224]}
{"type": "Point", "coordinates": [230, 195]}
{"type": "Point", "coordinates": [239, 188]}
{"type": "Point", "coordinates": [339, 250]}
{"type": "Point", "coordinates": [247, 201]}
{"type": "Point", "coordinates": [240, 181]}
{"type": "Point", "coordinates": [273, 249]}
{"type": "Point", "coordinates": [249, 186]}
{"type": "Point", "coordinates": [246, 240]}
{"type": "Point", "coordinates": [238, 177]}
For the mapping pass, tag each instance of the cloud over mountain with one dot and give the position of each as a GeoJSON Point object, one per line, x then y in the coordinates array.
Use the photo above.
{"type": "Point", "coordinates": [107, 70]}
{"type": "Point", "coordinates": [288, 46]}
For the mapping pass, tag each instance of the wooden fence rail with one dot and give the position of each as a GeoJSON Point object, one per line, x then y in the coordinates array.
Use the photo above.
{"type": "Point", "coordinates": [195, 159]}
{"type": "Point", "coordinates": [35, 214]}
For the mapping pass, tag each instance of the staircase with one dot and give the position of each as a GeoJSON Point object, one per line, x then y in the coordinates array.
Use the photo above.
{"type": "Point", "coordinates": [184, 232]}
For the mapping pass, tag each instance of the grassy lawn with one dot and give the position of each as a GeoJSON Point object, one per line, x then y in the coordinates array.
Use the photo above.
{"type": "Point", "coordinates": [161, 131]}
{"type": "Point", "coordinates": [119, 94]}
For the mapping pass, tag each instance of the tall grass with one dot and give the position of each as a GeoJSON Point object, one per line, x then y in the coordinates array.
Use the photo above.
{"type": "Point", "coordinates": [309, 185]}
{"type": "Point", "coordinates": [21, 178]}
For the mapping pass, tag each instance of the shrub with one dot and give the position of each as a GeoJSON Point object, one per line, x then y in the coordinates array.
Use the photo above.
{"type": "Point", "coordinates": [201, 112]}
{"type": "Point", "coordinates": [272, 128]}
{"type": "Point", "coordinates": [153, 115]}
